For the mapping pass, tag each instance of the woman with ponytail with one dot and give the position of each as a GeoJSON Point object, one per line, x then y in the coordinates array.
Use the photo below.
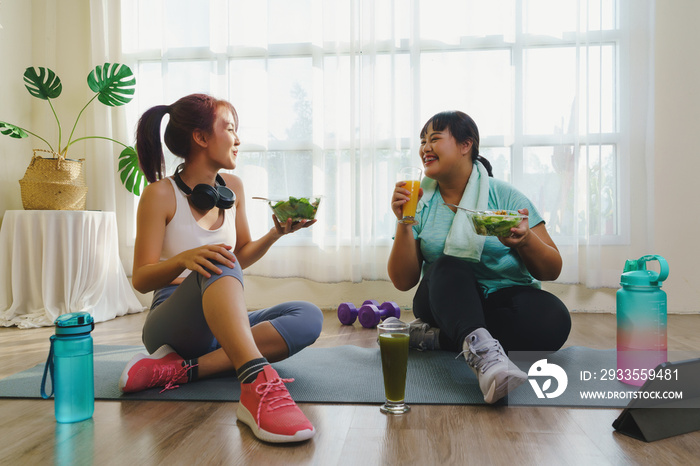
{"type": "Point", "coordinates": [480, 296]}
{"type": "Point", "coordinates": [192, 242]}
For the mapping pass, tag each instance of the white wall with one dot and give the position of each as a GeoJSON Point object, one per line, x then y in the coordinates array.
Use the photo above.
{"type": "Point", "coordinates": [15, 106]}
{"type": "Point", "coordinates": [677, 159]}
{"type": "Point", "coordinates": [25, 42]}
{"type": "Point", "coordinates": [56, 37]}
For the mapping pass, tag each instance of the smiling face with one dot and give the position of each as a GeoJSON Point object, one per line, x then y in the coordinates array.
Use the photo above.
{"type": "Point", "coordinates": [441, 154]}
{"type": "Point", "coordinates": [223, 141]}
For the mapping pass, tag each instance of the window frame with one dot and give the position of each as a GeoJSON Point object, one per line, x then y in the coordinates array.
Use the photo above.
{"type": "Point", "coordinates": [515, 143]}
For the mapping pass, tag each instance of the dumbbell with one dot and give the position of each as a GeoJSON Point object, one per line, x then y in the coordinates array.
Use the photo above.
{"type": "Point", "coordinates": [347, 313]}
{"type": "Point", "coordinates": [370, 314]}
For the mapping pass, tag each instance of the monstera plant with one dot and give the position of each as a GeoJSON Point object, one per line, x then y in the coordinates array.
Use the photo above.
{"type": "Point", "coordinates": [113, 85]}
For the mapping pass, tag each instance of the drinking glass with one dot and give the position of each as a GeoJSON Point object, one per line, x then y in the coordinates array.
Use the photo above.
{"type": "Point", "coordinates": [393, 345]}
{"type": "Point", "coordinates": [412, 176]}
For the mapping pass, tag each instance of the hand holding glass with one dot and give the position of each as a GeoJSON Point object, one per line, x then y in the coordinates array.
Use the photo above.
{"type": "Point", "coordinates": [393, 345]}
{"type": "Point", "coordinates": [412, 176]}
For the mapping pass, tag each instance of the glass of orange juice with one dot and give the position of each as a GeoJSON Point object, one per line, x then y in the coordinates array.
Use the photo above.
{"type": "Point", "coordinates": [411, 176]}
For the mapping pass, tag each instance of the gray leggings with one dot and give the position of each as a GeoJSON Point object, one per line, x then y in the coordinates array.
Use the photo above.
{"type": "Point", "coordinates": [177, 319]}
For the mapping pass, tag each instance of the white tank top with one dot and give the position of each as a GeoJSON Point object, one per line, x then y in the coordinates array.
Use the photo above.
{"type": "Point", "coordinates": [183, 232]}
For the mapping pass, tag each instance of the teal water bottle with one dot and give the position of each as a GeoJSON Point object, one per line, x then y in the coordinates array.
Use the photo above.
{"type": "Point", "coordinates": [641, 320]}
{"type": "Point", "coordinates": [70, 365]}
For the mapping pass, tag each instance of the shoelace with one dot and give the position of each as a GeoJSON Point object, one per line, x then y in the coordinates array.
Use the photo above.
{"type": "Point", "coordinates": [167, 374]}
{"type": "Point", "coordinates": [417, 333]}
{"type": "Point", "coordinates": [478, 359]}
{"type": "Point", "coordinates": [264, 390]}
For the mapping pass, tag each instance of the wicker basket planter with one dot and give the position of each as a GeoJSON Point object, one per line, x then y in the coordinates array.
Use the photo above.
{"type": "Point", "coordinates": [58, 183]}
{"type": "Point", "coordinates": [54, 183]}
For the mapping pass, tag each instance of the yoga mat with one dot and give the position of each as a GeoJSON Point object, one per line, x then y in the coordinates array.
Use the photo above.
{"type": "Point", "coordinates": [350, 374]}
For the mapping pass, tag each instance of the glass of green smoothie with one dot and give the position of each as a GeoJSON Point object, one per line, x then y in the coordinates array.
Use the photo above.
{"type": "Point", "coordinates": [393, 346]}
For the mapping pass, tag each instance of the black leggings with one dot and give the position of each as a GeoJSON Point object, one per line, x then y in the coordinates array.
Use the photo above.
{"type": "Point", "coordinates": [521, 318]}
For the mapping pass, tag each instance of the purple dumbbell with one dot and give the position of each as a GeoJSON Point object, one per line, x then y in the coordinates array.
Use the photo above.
{"type": "Point", "coordinates": [347, 313]}
{"type": "Point", "coordinates": [370, 314]}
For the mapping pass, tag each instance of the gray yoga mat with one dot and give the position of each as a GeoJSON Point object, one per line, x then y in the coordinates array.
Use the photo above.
{"type": "Point", "coordinates": [350, 374]}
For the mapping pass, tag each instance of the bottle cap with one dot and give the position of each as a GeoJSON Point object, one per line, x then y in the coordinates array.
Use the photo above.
{"type": "Point", "coordinates": [640, 278]}
{"type": "Point", "coordinates": [75, 323]}
{"type": "Point", "coordinates": [636, 273]}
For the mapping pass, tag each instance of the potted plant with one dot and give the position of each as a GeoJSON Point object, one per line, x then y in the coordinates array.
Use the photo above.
{"type": "Point", "coordinates": [60, 177]}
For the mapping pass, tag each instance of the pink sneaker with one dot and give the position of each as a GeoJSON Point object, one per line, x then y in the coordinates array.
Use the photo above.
{"type": "Point", "coordinates": [268, 409]}
{"type": "Point", "coordinates": [161, 369]}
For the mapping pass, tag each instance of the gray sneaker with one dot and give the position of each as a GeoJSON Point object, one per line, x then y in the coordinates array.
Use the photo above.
{"type": "Point", "coordinates": [496, 373]}
{"type": "Point", "coordinates": [421, 335]}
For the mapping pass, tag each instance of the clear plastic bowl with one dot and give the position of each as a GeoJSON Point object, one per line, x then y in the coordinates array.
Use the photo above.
{"type": "Point", "coordinates": [296, 208]}
{"type": "Point", "coordinates": [496, 222]}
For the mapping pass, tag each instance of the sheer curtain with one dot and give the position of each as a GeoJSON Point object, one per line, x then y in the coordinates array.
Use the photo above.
{"type": "Point", "coordinates": [106, 190]}
{"type": "Point", "coordinates": [592, 181]}
{"type": "Point", "coordinates": [101, 172]}
{"type": "Point", "coordinates": [332, 94]}
{"type": "Point", "coordinates": [52, 50]}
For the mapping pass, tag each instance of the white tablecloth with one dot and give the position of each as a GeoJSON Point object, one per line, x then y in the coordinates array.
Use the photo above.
{"type": "Point", "coordinates": [53, 262]}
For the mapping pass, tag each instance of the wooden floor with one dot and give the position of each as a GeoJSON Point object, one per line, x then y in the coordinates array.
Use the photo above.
{"type": "Point", "coordinates": [174, 433]}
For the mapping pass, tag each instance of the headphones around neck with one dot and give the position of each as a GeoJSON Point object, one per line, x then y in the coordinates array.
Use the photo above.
{"type": "Point", "coordinates": [204, 196]}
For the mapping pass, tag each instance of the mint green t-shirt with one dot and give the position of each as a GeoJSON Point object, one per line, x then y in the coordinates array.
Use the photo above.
{"type": "Point", "coordinates": [499, 267]}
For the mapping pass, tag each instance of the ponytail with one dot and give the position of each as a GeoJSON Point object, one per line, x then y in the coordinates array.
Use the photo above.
{"type": "Point", "coordinates": [148, 145]}
{"type": "Point", "coordinates": [485, 163]}
{"type": "Point", "coordinates": [190, 113]}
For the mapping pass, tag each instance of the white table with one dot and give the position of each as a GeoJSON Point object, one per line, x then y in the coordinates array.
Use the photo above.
{"type": "Point", "coordinates": [53, 262]}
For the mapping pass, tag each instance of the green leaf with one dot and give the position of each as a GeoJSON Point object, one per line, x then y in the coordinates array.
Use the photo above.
{"type": "Point", "coordinates": [12, 131]}
{"type": "Point", "coordinates": [44, 84]}
{"type": "Point", "coordinates": [296, 209]}
{"type": "Point", "coordinates": [113, 82]}
{"type": "Point", "coordinates": [131, 175]}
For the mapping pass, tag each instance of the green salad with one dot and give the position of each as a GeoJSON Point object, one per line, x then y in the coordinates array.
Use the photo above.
{"type": "Point", "coordinates": [295, 208]}
{"type": "Point", "coordinates": [496, 223]}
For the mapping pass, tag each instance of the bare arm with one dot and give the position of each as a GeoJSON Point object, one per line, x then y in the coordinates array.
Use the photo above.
{"type": "Point", "coordinates": [405, 258]}
{"type": "Point", "coordinates": [536, 248]}
{"type": "Point", "coordinates": [248, 251]}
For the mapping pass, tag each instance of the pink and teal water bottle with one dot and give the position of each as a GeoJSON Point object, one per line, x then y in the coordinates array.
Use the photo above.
{"type": "Point", "coordinates": [641, 320]}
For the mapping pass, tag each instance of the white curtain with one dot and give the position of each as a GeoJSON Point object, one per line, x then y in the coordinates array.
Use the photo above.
{"type": "Point", "coordinates": [106, 190]}
{"type": "Point", "coordinates": [332, 94]}
{"type": "Point", "coordinates": [62, 52]}
{"type": "Point", "coordinates": [101, 119]}
{"type": "Point", "coordinates": [594, 181]}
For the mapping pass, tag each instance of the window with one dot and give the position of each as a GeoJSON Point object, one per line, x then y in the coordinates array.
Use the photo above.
{"type": "Point", "coordinates": [332, 94]}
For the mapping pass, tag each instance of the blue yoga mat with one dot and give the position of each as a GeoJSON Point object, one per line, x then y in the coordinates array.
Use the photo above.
{"type": "Point", "coordinates": [350, 374]}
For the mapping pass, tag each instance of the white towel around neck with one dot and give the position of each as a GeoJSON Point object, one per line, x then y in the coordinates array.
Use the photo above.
{"type": "Point", "coordinates": [462, 240]}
